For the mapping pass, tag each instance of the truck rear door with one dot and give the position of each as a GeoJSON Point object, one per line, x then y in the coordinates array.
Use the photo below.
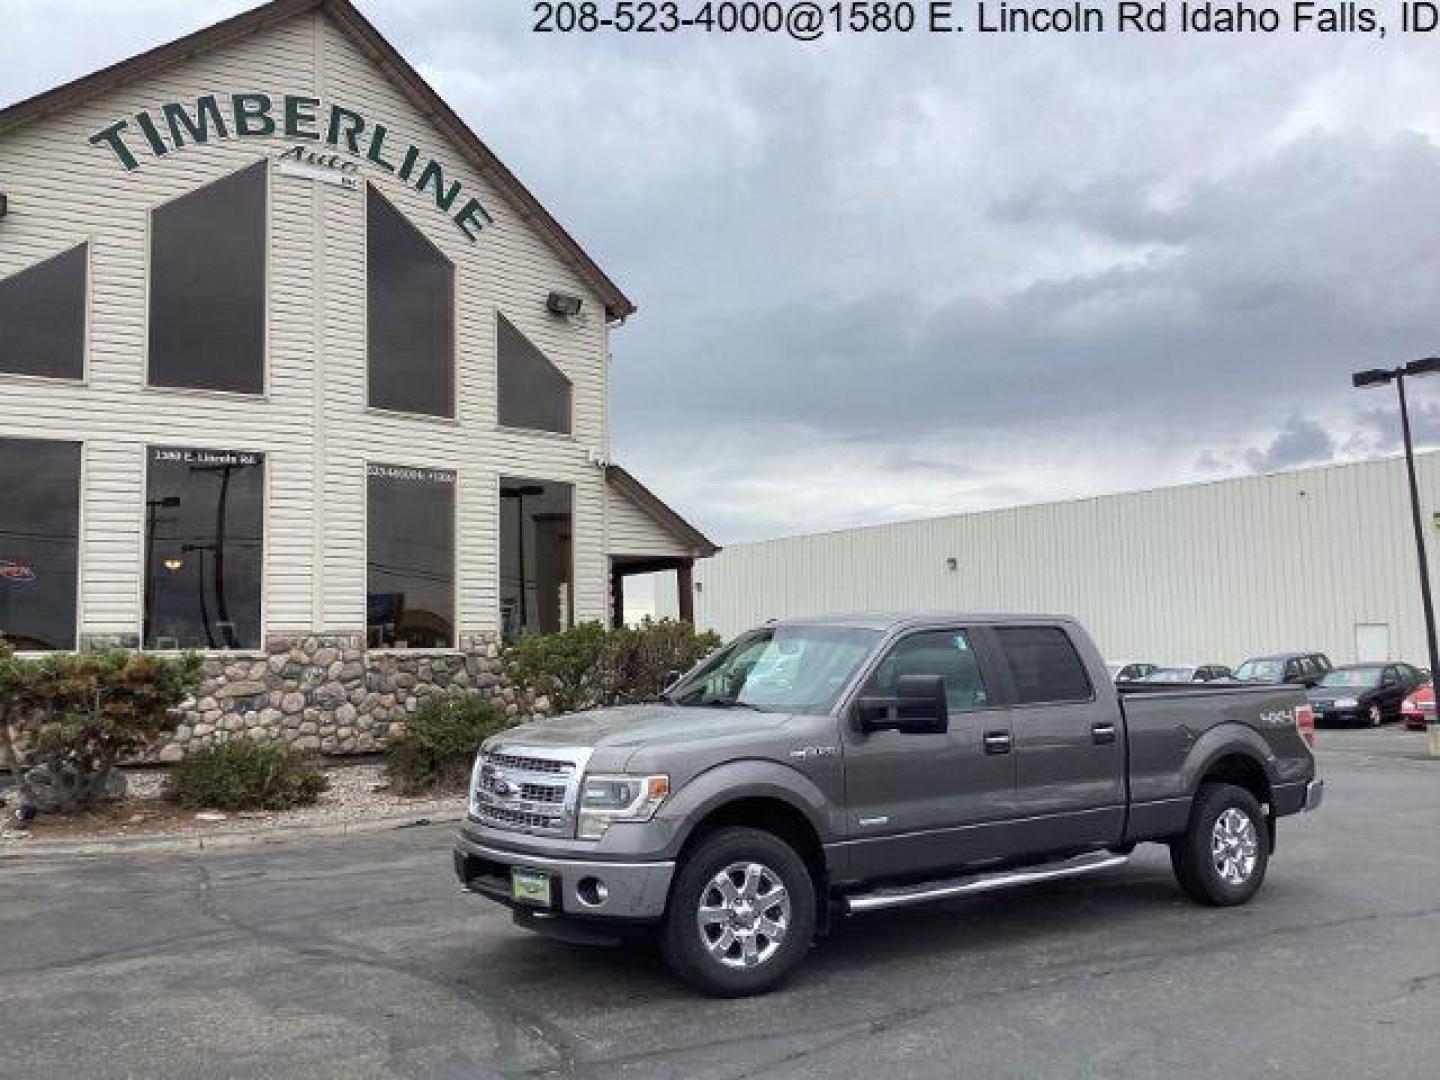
{"type": "Point", "coordinates": [1069, 745]}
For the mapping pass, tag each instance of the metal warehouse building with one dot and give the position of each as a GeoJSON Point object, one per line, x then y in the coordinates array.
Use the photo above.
{"type": "Point", "coordinates": [1319, 558]}
{"type": "Point", "coordinates": [294, 371]}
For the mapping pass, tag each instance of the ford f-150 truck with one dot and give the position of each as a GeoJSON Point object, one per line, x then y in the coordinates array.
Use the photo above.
{"type": "Point", "coordinates": [819, 767]}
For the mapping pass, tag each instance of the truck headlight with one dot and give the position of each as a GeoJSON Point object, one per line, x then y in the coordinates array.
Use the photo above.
{"type": "Point", "coordinates": [1346, 702]}
{"type": "Point", "coordinates": [607, 799]}
{"type": "Point", "coordinates": [475, 786]}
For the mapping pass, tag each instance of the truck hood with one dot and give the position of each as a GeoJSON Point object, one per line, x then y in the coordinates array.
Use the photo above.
{"type": "Point", "coordinates": [629, 727]}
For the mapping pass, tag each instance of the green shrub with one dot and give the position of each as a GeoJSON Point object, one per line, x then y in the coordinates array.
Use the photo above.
{"type": "Point", "coordinates": [589, 666]}
{"type": "Point", "coordinates": [68, 719]}
{"type": "Point", "coordinates": [247, 774]}
{"type": "Point", "coordinates": [438, 747]}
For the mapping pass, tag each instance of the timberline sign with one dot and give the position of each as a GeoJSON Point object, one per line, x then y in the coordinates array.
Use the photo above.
{"type": "Point", "coordinates": [254, 115]}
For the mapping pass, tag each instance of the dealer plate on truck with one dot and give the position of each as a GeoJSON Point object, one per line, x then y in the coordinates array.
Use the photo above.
{"type": "Point", "coordinates": [530, 887]}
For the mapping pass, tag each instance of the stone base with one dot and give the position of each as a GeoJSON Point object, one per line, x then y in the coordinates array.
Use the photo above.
{"type": "Point", "coordinates": [329, 693]}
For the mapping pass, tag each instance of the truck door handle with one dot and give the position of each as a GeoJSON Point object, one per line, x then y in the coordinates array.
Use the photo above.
{"type": "Point", "coordinates": [997, 742]}
{"type": "Point", "coordinates": [1103, 733]}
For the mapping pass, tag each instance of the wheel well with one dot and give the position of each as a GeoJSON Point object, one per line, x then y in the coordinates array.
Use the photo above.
{"type": "Point", "coordinates": [1241, 770]}
{"type": "Point", "coordinates": [773, 816]}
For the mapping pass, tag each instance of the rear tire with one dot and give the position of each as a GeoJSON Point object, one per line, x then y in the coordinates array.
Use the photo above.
{"type": "Point", "coordinates": [1222, 857]}
{"type": "Point", "coordinates": [741, 914]}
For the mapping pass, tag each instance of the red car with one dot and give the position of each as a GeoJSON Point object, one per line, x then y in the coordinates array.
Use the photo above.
{"type": "Point", "coordinates": [1418, 709]}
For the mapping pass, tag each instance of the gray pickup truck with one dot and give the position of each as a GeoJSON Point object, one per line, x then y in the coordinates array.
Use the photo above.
{"type": "Point", "coordinates": [819, 767]}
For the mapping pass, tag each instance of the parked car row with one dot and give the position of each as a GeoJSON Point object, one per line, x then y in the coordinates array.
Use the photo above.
{"type": "Point", "coordinates": [1140, 671]}
{"type": "Point", "coordinates": [1369, 694]}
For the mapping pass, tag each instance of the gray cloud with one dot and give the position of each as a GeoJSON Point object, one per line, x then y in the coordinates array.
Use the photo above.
{"type": "Point", "coordinates": [884, 277]}
{"type": "Point", "coordinates": [1302, 441]}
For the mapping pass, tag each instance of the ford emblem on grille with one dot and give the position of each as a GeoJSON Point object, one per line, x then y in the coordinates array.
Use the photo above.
{"type": "Point", "coordinates": [504, 788]}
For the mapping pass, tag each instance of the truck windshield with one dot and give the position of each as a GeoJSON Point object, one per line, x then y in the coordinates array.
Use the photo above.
{"type": "Point", "coordinates": [798, 669]}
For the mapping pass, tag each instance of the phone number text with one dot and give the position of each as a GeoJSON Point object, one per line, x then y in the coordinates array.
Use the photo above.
{"type": "Point", "coordinates": [803, 20]}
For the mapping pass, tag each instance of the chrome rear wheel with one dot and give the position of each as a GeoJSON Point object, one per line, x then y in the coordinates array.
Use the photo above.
{"type": "Point", "coordinates": [1234, 845]}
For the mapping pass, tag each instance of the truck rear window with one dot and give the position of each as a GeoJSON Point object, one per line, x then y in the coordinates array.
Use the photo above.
{"type": "Point", "coordinates": [1043, 664]}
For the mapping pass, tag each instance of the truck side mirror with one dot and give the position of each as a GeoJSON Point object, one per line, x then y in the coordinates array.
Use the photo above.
{"type": "Point", "coordinates": [919, 707]}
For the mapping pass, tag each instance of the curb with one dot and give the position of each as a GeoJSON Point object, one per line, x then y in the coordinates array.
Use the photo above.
{"type": "Point", "coordinates": [275, 834]}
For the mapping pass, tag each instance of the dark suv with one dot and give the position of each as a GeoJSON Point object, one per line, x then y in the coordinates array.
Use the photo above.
{"type": "Point", "coordinates": [1302, 668]}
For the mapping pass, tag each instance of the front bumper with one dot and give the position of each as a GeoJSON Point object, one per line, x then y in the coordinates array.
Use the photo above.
{"type": "Point", "coordinates": [633, 891]}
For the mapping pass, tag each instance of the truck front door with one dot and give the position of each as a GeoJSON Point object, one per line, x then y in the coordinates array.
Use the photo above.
{"type": "Point", "coordinates": [1069, 745]}
{"type": "Point", "coordinates": [920, 802]}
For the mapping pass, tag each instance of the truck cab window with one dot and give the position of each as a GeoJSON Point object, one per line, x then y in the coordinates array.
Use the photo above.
{"type": "Point", "coordinates": [1043, 664]}
{"type": "Point", "coordinates": [946, 653]}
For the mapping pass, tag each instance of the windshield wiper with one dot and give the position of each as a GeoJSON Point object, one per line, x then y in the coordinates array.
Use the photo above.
{"type": "Point", "coordinates": [735, 703]}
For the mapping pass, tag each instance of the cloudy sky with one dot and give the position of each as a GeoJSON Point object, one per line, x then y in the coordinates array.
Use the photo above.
{"type": "Point", "coordinates": [891, 277]}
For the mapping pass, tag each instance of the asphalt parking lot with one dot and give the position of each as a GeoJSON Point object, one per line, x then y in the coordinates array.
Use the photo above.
{"type": "Point", "coordinates": [358, 958]}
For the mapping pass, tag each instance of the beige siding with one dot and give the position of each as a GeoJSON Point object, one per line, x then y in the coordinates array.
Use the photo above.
{"type": "Point", "coordinates": [313, 425]}
{"type": "Point", "coordinates": [634, 532]}
{"type": "Point", "coordinates": [1205, 572]}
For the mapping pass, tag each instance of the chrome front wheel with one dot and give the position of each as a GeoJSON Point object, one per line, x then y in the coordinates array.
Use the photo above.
{"type": "Point", "coordinates": [744, 915]}
{"type": "Point", "coordinates": [741, 914]}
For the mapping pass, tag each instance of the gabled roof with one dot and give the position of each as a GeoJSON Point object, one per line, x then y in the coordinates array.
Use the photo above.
{"type": "Point", "coordinates": [345, 15]}
{"type": "Point", "coordinates": [655, 507]}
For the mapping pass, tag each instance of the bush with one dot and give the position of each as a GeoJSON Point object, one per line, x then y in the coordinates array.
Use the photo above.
{"type": "Point", "coordinates": [589, 666]}
{"type": "Point", "coordinates": [246, 774]}
{"type": "Point", "coordinates": [68, 719]}
{"type": "Point", "coordinates": [438, 747]}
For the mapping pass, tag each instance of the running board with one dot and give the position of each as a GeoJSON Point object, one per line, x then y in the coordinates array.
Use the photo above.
{"type": "Point", "coordinates": [895, 896]}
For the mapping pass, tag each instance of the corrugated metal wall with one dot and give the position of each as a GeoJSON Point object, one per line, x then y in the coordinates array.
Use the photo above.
{"type": "Point", "coordinates": [1215, 571]}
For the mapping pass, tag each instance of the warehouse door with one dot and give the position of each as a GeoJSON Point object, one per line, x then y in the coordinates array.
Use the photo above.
{"type": "Point", "coordinates": [1372, 642]}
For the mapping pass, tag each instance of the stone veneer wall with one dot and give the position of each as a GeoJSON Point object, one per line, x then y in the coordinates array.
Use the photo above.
{"type": "Point", "coordinates": [329, 693]}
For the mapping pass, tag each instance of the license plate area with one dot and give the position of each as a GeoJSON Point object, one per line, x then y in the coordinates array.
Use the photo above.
{"type": "Point", "coordinates": [532, 887]}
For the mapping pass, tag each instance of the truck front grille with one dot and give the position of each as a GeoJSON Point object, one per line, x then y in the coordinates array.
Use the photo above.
{"type": "Point", "coordinates": [531, 791]}
{"type": "Point", "coordinates": [502, 817]}
{"type": "Point", "coordinates": [521, 763]}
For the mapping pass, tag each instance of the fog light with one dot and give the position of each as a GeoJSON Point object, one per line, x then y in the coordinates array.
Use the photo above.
{"type": "Point", "coordinates": [592, 892]}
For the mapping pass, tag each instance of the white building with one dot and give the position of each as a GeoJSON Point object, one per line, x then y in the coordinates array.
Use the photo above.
{"type": "Point", "coordinates": [287, 355]}
{"type": "Point", "coordinates": [1320, 558]}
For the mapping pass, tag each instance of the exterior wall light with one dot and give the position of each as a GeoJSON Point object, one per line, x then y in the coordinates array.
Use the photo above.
{"type": "Point", "coordinates": [558, 303]}
{"type": "Point", "coordinates": [4, 203]}
{"type": "Point", "coordinates": [952, 564]}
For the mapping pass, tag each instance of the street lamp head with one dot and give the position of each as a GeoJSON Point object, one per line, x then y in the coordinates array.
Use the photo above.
{"type": "Point", "coordinates": [1430, 365]}
{"type": "Point", "coordinates": [1372, 377]}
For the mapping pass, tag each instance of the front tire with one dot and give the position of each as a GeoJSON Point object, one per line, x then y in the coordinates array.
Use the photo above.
{"type": "Point", "coordinates": [741, 914]}
{"type": "Point", "coordinates": [1222, 857]}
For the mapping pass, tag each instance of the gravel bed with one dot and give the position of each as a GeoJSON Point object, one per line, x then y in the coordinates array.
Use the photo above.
{"type": "Point", "coordinates": [357, 792]}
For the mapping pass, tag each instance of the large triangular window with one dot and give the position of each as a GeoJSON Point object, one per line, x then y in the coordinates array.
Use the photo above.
{"type": "Point", "coordinates": [534, 393]}
{"type": "Point", "coordinates": [410, 315]}
{"type": "Point", "coordinates": [207, 286]}
{"type": "Point", "coordinates": [42, 317]}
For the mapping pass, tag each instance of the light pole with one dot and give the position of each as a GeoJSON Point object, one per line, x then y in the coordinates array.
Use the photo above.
{"type": "Point", "coordinates": [1430, 365]}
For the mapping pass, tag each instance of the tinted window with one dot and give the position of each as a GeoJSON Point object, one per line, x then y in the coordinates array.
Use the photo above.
{"type": "Point", "coordinates": [537, 573]}
{"type": "Point", "coordinates": [1043, 664]}
{"type": "Point", "coordinates": [42, 318]}
{"type": "Point", "coordinates": [946, 653]}
{"type": "Point", "coordinates": [39, 542]}
{"type": "Point", "coordinates": [533, 392]}
{"type": "Point", "coordinates": [410, 289]}
{"type": "Point", "coordinates": [204, 548]}
{"type": "Point", "coordinates": [410, 562]}
{"type": "Point", "coordinates": [207, 286]}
